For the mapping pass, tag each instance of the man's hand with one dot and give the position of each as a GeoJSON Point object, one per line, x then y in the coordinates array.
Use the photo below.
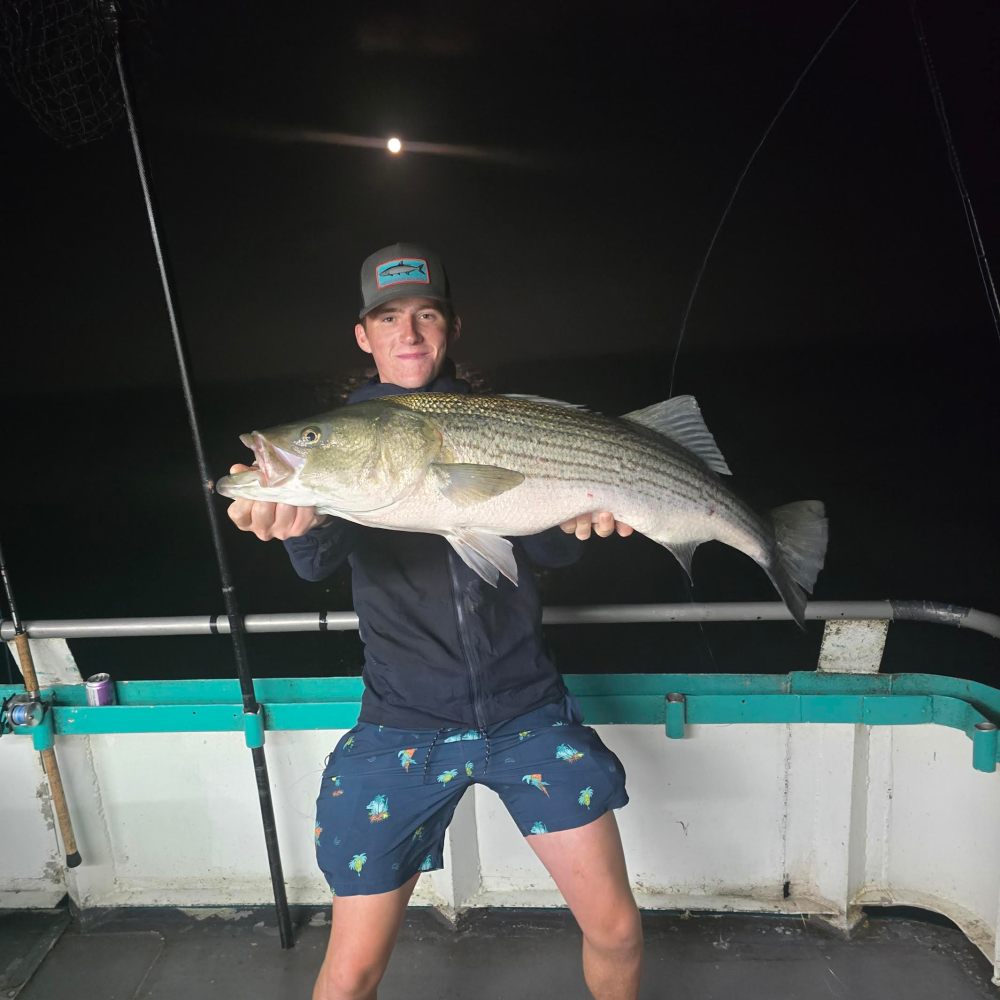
{"type": "Point", "coordinates": [603, 524]}
{"type": "Point", "coordinates": [272, 520]}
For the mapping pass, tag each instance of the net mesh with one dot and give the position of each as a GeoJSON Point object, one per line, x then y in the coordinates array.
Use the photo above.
{"type": "Point", "coordinates": [58, 58]}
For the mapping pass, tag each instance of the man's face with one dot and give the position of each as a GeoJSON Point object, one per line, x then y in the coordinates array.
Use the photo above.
{"type": "Point", "coordinates": [408, 339]}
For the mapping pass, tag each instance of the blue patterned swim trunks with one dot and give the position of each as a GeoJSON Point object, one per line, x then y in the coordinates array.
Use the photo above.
{"type": "Point", "coordinates": [388, 795]}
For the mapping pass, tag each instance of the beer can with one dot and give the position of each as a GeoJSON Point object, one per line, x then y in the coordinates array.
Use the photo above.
{"type": "Point", "coordinates": [100, 690]}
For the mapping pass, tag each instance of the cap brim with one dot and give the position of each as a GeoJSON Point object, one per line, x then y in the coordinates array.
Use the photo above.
{"type": "Point", "coordinates": [390, 295]}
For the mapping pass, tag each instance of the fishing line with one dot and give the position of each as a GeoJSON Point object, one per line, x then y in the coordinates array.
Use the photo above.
{"type": "Point", "coordinates": [689, 588]}
{"type": "Point", "coordinates": [956, 170]}
{"type": "Point", "coordinates": [718, 229]}
{"type": "Point", "coordinates": [739, 184]}
{"type": "Point", "coordinates": [236, 629]}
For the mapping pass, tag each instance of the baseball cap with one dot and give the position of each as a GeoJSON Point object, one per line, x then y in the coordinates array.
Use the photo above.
{"type": "Point", "coordinates": [399, 271]}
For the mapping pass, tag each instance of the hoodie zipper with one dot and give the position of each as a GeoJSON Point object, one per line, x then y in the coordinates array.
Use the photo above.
{"type": "Point", "coordinates": [471, 660]}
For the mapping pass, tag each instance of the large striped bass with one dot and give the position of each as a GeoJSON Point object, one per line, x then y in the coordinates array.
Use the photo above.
{"type": "Point", "coordinates": [477, 468]}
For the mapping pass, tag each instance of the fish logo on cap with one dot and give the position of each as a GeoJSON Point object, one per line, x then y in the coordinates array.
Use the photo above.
{"type": "Point", "coordinates": [402, 270]}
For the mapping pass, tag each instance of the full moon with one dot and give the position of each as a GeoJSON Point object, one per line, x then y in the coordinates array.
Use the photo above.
{"type": "Point", "coordinates": [394, 145]}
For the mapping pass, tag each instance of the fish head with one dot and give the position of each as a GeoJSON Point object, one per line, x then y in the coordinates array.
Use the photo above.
{"type": "Point", "coordinates": [358, 458]}
{"type": "Point", "coordinates": [276, 465]}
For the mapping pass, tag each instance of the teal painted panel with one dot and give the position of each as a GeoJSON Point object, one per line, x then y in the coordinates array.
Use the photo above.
{"type": "Point", "coordinates": [705, 709]}
{"type": "Point", "coordinates": [831, 708]}
{"type": "Point", "coordinates": [317, 715]}
{"type": "Point", "coordinates": [318, 689]}
{"type": "Point", "coordinates": [215, 705]}
{"type": "Point", "coordinates": [898, 710]}
{"type": "Point", "coordinates": [955, 713]}
{"type": "Point", "coordinates": [594, 685]}
{"type": "Point", "coordinates": [813, 682]}
{"type": "Point", "coordinates": [309, 689]}
{"type": "Point", "coordinates": [985, 699]}
{"type": "Point", "coordinates": [203, 692]}
{"type": "Point", "coordinates": [622, 709]}
{"type": "Point", "coordinates": [149, 719]}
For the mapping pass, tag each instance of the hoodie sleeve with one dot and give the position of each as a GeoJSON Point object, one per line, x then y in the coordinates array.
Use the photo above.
{"type": "Point", "coordinates": [316, 554]}
{"type": "Point", "coordinates": [552, 548]}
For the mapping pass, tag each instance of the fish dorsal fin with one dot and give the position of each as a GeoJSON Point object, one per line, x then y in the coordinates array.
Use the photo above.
{"type": "Point", "coordinates": [487, 554]}
{"type": "Point", "coordinates": [545, 400]}
{"type": "Point", "coordinates": [680, 419]}
{"type": "Point", "coordinates": [466, 484]}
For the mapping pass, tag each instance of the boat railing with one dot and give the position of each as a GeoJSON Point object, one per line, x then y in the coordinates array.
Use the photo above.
{"type": "Point", "coordinates": [816, 792]}
{"type": "Point", "coordinates": [828, 611]}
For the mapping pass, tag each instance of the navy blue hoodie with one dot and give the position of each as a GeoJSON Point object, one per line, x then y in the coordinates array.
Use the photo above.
{"type": "Point", "coordinates": [442, 647]}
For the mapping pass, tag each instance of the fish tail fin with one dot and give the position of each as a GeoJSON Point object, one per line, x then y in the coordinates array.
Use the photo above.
{"type": "Point", "coordinates": [800, 533]}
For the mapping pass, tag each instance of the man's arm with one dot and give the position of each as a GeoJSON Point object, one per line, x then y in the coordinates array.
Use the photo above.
{"type": "Point", "coordinates": [317, 553]}
{"type": "Point", "coordinates": [551, 549]}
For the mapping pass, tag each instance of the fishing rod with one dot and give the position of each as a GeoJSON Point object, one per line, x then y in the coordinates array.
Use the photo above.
{"type": "Point", "coordinates": [28, 712]}
{"type": "Point", "coordinates": [971, 221]}
{"type": "Point", "coordinates": [250, 706]}
{"type": "Point", "coordinates": [736, 190]}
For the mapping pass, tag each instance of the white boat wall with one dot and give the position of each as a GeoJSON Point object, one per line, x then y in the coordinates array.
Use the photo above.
{"type": "Point", "coordinates": [746, 808]}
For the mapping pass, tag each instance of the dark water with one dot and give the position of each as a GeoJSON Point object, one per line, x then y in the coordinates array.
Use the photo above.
{"type": "Point", "coordinates": [102, 514]}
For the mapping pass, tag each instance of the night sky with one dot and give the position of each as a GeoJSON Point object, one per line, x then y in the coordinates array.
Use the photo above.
{"type": "Point", "coordinates": [841, 343]}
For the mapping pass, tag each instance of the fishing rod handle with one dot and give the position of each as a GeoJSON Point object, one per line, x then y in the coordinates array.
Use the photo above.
{"type": "Point", "coordinates": [62, 810]}
{"type": "Point", "coordinates": [49, 763]}
{"type": "Point", "coordinates": [27, 663]}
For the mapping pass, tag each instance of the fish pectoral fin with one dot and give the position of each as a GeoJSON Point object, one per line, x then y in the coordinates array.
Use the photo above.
{"type": "Point", "coordinates": [680, 419]}
{"type": "Point", "coordinates": [465, 484]}
{"type": "Point", "coordinates": [484, 553]}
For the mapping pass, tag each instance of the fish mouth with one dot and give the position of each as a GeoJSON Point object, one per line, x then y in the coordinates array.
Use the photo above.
{"type": "Point", "coordinates": [277, 465]}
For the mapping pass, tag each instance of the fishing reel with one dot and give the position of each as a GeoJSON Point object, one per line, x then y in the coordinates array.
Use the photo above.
{"type": "Point", "coordinates": [20, 711]}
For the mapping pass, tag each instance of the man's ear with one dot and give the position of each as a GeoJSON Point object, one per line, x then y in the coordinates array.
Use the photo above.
{"type": "Point", "coordinates": [456, 329]}
{"type": "Point", "coordinates": [362, 337]}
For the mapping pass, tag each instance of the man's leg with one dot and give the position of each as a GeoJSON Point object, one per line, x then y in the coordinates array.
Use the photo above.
{"type": "Point", "coordinates": [588, 866]}
{"type": "Point", "coordinates": [362, 934]}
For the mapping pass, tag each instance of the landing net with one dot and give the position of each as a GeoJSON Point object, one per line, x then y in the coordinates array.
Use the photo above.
{"type": "Point", "coordinates": [57, 57]}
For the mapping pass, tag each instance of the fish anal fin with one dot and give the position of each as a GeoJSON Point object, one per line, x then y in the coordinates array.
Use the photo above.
{"type": "Point", "coordinates": [683, 552]}
{"type": "Point", "coordinates": [466, 484]}
{"type": "Point", "coordinates": [680, 419]}
{"type": "Point", "coordinates": [484, 553]}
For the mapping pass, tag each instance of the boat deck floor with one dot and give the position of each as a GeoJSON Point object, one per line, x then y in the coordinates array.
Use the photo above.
{"type": "Point", "coordinates": [168, 954]}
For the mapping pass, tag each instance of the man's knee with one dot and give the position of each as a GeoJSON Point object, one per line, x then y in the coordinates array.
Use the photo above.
{"type": "Point", "coordinates": [345, 980]}
{"type": "Point", "coordinates": [618, 929]}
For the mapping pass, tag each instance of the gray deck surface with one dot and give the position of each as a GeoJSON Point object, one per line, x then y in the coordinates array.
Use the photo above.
{"type": "Point", "coordinates": [164, 954]}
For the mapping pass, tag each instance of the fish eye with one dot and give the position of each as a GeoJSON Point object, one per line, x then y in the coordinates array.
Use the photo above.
{"type": "Point", "coordinates": [310, 435]}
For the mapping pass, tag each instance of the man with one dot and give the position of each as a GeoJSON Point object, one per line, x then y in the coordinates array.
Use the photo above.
{"type": "Point", "coordinates": [458, 690]}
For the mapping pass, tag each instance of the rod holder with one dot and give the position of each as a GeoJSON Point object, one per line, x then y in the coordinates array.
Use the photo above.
{"type": "Point", "coordinates": [676, 715]}
{"type": "Point", "coordinates": [253, 728]}
{"type": "Point", "coordinates": [43, 734]}
{"type": "Point", "coordinates": [984, 747]}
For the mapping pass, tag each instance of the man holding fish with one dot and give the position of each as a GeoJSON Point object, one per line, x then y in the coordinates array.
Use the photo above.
{"type": "Point", "coordinates": [458, 686]}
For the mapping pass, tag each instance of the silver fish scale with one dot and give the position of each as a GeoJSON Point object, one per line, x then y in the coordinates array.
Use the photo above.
{"type": "Point", "coordinates": [549, 440]}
